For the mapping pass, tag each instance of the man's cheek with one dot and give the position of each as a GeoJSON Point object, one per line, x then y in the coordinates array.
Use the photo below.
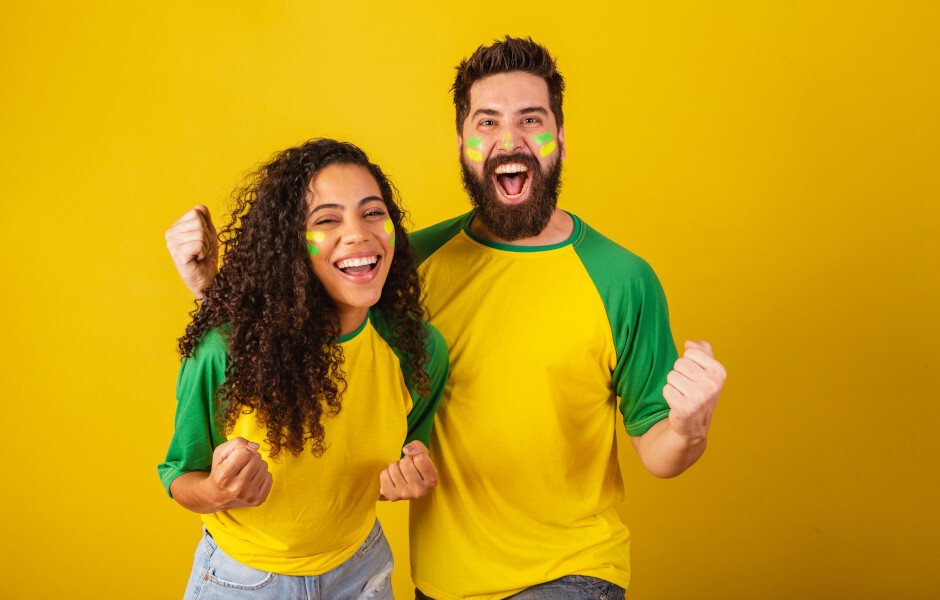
{"type": "Point", "coordinates": [546, 142]}
{"type": "Point", "coordinates": [475, 149]}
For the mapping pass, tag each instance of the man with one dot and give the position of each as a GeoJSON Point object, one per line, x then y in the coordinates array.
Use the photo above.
{"type": "Point", "coordinates": [548, 324]}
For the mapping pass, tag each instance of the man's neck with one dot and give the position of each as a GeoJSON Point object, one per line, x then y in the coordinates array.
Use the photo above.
{"type": "Point", "coordinates": [559, 229]}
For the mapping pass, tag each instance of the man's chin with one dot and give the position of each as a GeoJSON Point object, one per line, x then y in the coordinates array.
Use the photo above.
{"type": "Point", "coordinates": [512, 218]}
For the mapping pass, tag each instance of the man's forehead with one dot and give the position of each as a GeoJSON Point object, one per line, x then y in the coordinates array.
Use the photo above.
{"type": "Point", "coordinates": [518, 88]}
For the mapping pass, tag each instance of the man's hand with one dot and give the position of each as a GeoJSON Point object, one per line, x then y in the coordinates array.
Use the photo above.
{"type": "Point", "coordinates": [239, 476]}
{"type": "Point", "coordinates": [692, 391]}
{"type": "Point", "coordinates": [673, 445]}
{"type": "Point", "coordinates": [194, 245]}
{"type": "Point", "coordinates": [411, 477]}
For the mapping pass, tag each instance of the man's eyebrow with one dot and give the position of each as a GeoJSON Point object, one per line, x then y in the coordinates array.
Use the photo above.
{"type": "Point", "coordinates": [533, 109]}
{"type": "Point", "coordinates": [365, 200]}
{"type": "Point", "coordinates": [491, 112]}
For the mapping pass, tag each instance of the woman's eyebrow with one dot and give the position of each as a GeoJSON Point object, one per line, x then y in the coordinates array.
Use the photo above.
{"type": "Point", "coordinates": [365, 200]}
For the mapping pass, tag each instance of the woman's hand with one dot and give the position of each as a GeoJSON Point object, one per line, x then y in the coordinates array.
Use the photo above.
{"type": "Point", "coordinates": [239, 478]}
{"type": "Point", "coordinates": [411, 477]}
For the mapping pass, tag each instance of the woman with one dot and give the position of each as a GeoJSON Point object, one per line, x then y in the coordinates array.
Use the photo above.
{"type": "Point", "coordinates": [305, 368]}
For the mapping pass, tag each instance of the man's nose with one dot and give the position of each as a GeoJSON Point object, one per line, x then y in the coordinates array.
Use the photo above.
{"type": "Point", "coordinates": [508, 141]}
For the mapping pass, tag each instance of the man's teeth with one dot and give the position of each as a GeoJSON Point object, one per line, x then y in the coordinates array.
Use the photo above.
{"type": "Point", "coordinates": [357, 262]}
{"type": "Point", "coordinates": [511, 168]}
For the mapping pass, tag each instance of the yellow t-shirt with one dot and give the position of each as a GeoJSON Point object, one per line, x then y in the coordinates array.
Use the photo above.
{"type": "Point", "coordinates": [542, 343]}
{"type": "Point", "coordinates": [319, 510]}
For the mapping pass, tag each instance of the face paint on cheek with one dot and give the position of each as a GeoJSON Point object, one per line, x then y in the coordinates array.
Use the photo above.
{"type": "Point", "coordinates": [546, 143]}
{"type": "Point", "coordinates": [390, 229]}
{"type": "Point", "coordinates": [473, 149]}
{"type": "Point", "coordinates": [314, 238]}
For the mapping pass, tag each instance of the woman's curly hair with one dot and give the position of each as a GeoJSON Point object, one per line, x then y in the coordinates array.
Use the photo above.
{"type": "Point", "coordinates": [285, 362]}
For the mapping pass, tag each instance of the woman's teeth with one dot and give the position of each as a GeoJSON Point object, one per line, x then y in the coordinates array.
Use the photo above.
{"type": "Point", "coordinates": [363, 261]}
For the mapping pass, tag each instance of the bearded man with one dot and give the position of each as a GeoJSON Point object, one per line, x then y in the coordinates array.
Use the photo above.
{"type": "Point", "coordinates": [552, 329]}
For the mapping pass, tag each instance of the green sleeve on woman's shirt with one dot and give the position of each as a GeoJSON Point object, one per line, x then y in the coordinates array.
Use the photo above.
{"type": "Point", "coordinates": [196, 432]}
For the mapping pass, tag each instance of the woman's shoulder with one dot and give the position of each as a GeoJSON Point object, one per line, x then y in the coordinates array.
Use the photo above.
{"type": "Point", "coordinates": [213, 344]}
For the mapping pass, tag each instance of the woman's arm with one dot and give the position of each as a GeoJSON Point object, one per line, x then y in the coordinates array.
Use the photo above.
{"type": "Point", "coordinates": [239, 478]}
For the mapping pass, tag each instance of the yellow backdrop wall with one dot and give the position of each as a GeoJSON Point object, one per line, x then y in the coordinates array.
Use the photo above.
{"type": "Point", "coordinates": [776, 162]}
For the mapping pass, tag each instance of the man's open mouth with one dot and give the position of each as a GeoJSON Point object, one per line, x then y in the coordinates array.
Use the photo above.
{"type": "Point", "coordinates": [512, 180]}
{"type": "Point", "coordinates": [357, 266]}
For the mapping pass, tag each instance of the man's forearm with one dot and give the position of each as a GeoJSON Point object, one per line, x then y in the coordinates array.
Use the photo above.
{"type": "Point", "coordinates": [665, 453]}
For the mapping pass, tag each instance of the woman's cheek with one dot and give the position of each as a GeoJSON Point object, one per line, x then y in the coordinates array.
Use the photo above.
{"type": "Point", "coordinates": [314, 240]}
{"type": "Point", "coordinates": [390, 230]}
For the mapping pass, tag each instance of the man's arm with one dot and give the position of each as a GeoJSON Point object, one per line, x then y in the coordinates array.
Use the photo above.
{"type": "Point", "coordinates": [673, 445]}
{"type": "Point", "coordinates": [194, 245]}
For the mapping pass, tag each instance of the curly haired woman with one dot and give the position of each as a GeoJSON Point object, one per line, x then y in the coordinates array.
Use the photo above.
{"type": "Point", "coordinates": [305, 369]}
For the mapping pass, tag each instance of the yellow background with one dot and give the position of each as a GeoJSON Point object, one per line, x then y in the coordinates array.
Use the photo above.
{"type": "Point", "coordinates": [776, 162]}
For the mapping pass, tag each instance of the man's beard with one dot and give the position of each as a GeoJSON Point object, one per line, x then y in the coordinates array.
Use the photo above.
{"type": "Point", "coordinates": [512, 222]}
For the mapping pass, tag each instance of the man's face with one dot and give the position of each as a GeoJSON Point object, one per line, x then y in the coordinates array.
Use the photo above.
{"type": "Point", "coordinates": [510, 152]}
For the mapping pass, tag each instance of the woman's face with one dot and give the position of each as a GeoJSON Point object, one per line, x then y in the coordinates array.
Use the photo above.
{"type": "Point", "coordinates": [351, 239]}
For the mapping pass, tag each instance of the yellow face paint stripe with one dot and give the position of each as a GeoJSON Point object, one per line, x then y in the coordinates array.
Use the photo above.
{"type": "Point", "coordinates": [473, 149]}
{"type": "Point", "coordinates": [314, 238]}
{"type": "Point", "coordinates": [547, 149]}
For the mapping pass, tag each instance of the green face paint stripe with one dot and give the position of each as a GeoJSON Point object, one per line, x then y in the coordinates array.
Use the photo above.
{"type": "Point", "coordinates": [542, 138]}
{"type": "Point", "coordinates": [547, 149]}
{"type": "Point", "coordinates": [474, 142]}
{"type": "Point", "coordinates": [313, 238]}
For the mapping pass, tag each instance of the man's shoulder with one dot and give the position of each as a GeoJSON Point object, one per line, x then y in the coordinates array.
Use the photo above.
{"type": "Point", "coordinates": [428, 240]}
{"type": "Point", "coordinates": [604, 256]}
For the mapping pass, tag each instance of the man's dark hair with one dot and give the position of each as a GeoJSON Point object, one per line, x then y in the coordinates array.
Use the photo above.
{"type": "Point", "coordinates": [511, 54]}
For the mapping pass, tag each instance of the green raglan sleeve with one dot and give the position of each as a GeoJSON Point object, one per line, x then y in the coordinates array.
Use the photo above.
{"type": "Point", "coordinates": [421, 417]}
{"type": "Point", "coordinates": [427, 241]}
{"type": "Point", "coordinates": [639, 320]}
{"type": "Point", "coordinates": [196, 432]}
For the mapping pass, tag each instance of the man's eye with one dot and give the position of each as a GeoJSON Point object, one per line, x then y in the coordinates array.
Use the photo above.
{"type": "Point", "coordinates": [487, 123]}
{"type": "Point", "coordinates": [530, 120]}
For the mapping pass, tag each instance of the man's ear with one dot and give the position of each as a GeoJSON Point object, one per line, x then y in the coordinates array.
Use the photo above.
{"type": "Point", "coordinates": [561, 142]}
{"type": "Point", "coordinates": [459, 144]}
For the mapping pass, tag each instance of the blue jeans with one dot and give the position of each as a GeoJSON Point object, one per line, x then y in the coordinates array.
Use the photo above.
{"type": "Point", "coordinates": [366, 574]}
{"type": "Point", "coordinates": [572, 587]}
